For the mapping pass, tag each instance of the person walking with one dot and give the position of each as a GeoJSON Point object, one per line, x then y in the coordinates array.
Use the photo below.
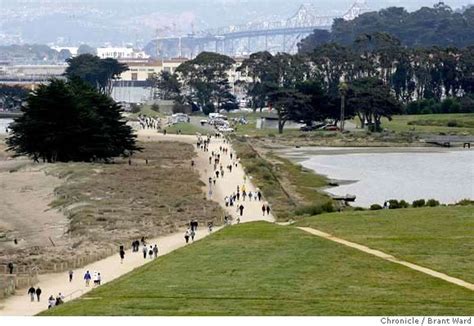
{"type": "Point", "coordinates": [38, 294]}
{"type": "Point", "coordinates": [32, 292]}
{"type": "Point", "coordinates": [193, 234]}
{"type": "Point", "coordinates": [71, 274]}
{"type": "Point", "coordinates": [87, 278]}
{"type": "Point", "coordinates": [122, 255]}
{"type": "Point", "coordinates": [150, 252]}
{"type": "Point", "coordinates": [10, 268]}
{"type": "Point", "coordinates": [51, 302]}
{"type": "Point", "coordinates": [263, 209]}
{"type": "Point", "coordinates": [186, 235]}
{"type": "Point", "coordinates": [144, 250]}
{"type": "Point", "coordinates": [241, 209]}
{"type": "Point", "coordinates": [259, 195]}
{"type": "Point", "coordinates": [155, 251]}
{"type": "Point", "coordinates": [268, 209]}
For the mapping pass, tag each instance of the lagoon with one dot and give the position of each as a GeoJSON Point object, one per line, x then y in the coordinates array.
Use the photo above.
{"type": "Point", "coordinates": [378, 175]}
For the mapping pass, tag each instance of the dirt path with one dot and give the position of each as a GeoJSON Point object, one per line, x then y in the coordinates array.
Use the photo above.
{"type": "Point", "coordinates": [390, 258]}
{"type": "Point", "coordinates": [24, 198]}
{"type": "Point", "coordinates": [111, 268]}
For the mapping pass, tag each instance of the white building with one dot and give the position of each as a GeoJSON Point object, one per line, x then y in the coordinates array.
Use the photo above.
{"type": "Point", "coordinates": [120, 53]}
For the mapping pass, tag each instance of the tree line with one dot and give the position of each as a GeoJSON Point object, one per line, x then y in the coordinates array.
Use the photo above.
{"type": "Point", "coordinates": [426, 27]}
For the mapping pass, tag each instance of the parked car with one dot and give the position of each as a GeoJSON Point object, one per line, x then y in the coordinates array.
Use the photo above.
{"type": "Point", "coordinates": [331, 128]}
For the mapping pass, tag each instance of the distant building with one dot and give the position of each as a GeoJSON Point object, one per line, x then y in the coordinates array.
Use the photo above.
{"type": "Point", "coordinates": [121, 53]}
{"type": "Point", "coordinates": [142, 70]}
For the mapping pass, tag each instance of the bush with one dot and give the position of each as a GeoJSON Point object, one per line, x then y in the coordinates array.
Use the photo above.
{"type": "Point", "coordinates": [359, 209]}
{"type": "Point", "coordinates": [465, 202]}
{"type": "Point", "coordinates": [394, 204]}
{"type": "Point", "coordinates": [432, 203]}
{"type": "Point", "coordinates": [452, 123]}
{"type": "Point", "coordinates": [315, 209]}
{"type": "Point", "coordinates": [375, 207]}
{"type": "Point", "coordinates": [134, 108]}
{"type": "Point", "coordinates": [155, 107]}
{"type": "Point", "coordinates": [182, 108]}
{"type": "Point", "coordinates": [403, 204]}
{"type": "Point", "coordinates": [208, 108]}
{"type": "Point", "coordinates": [418, 203]}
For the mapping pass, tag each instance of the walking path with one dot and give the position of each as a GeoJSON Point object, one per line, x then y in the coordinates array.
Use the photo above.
{"type": "Point", "coordinates": [110, 268]}
{"type": "Point", "coordinates": [390, 258]}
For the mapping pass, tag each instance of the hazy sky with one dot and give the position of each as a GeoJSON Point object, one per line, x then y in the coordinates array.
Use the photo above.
{"type": "Point", "coordinates": [115, 21]}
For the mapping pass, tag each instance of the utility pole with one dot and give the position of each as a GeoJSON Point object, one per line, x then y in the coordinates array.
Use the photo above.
{"type": "Point", "coordinates": [343, 91]}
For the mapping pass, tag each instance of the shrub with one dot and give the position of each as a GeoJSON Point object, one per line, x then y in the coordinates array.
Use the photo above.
{"type": "Point", "coordinates": [315, 209]}
{"type": "Point", "coordinates": [394, 204]}
{"type": "Point", "coordinates": [134, 108]}
{"type": "Point", "coordinates": [403, 204]}
{"type": "Point", "coordinates": [465, 202]}
{"type": "Point", "coordinates": [418, 203]}
{"type": "Point", "coordinates": [432, 203]}
{"type": "Point", "coordinates": [452, 123]}
{"type": "Point", "coordinates": [155, 107]}
{"type": "Point", "coordinates": [375, 207]}
{"type": "Point", "coordinates": [359, 209]}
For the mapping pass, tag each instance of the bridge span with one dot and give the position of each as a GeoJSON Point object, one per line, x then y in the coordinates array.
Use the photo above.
{"type": "Point", "coordinates": [238, 40]}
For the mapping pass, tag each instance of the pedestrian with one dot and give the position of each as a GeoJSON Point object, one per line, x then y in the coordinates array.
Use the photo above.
{"type": "Point", "coordinates": [144, 250]}
{"type": "Point", "coordinates": [71, 273]}
{"type": "Point", "coordinates": [259, 195]}
{"type": "Point", "coordinates": [59, 299]}
{"type": "Point", "coordinates": [268, 209]}
{"type": "Point", "coordinates": [10, 267]}
{"type": "Point", "coordinates": [155, 251]}
{"type": "Point", "coordinates": [214, 180]}
{"type": "Point", "coordinates": [164, 132]}
{"type": "Point", "coordinates": [192, 234]}
{"type": "Point", "coordinates": [32, 292]}
{"type": "Point", "coordinates": [186, 235]}
{"type": "Point", "coordinates": [210, 226]}
{"type": "Point", "coordinates": [150, 252]}
{"type": "Point", "coordinates": [87, 278]}
{"type": "Point", "coordinates": [97, 279]}
{"type": "Point", "coordinates": [241, 209]}
{"type": "Point", "coordinates": [217, 174]}
{"type": "Point", "coordinates": [122, 255]}
{"type": "Point", "coordinates": [51, 302]}
{"type": "Point", "coordinates": [263, 209]}
{"type": "Point", "coordinates": [38, 293]}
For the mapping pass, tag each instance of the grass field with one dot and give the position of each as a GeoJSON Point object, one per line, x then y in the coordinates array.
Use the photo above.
{"type": "Point", "coordinates": [461, 123]}
{"type": "Point", "coordinates": [440, 238]}
{"type": "Point", "coordinates": [265, 269]}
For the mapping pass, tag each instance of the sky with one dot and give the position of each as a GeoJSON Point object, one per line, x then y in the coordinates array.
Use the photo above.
{"type": "Point", "coordinates": [137, 21]}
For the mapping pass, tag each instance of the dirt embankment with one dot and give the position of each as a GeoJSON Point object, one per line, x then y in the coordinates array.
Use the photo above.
{"type": "Point", "coordinates": [58, 212]}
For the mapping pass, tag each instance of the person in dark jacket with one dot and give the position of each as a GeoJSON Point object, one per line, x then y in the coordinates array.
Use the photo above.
{"type": "Point", "coordinates": [32, 292]}
{"type": "Point", "coordinates": [38, 293]}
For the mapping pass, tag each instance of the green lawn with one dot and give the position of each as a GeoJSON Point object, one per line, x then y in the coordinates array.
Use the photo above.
{"type": "Point", "coordinates": [441, 238]}
{"type": "Point", "coordinates": [462, 123]}
{"type": "Point", "coordinates": [266, 269]}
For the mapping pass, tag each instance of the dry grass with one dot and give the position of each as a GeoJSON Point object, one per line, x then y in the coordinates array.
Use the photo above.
{"type": "Point", "coordinates": [115, 203]}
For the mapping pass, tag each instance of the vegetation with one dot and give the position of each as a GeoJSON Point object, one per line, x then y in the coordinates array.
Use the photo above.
{"type": "Point", "coordinates": [70, 121]}
{"type": "Point", "coordinates": [11, 97]}
{"type": "Point", "coordinates": [97, 72]}
{"type": "Point", "coordinates": [166, 86]}
{"type": "Point", "coordinates": [205, 80]}
{"type": "Point", "coordinates": [431, 123]}
{"type": "Point", "coordinates": [290, 189]}
{"type": "Point", "coordinates": [232, 272]}
{"type": "Point", "coordinates": [439, 238]}
{"type": "Point", "coordinates": [437, 26]}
